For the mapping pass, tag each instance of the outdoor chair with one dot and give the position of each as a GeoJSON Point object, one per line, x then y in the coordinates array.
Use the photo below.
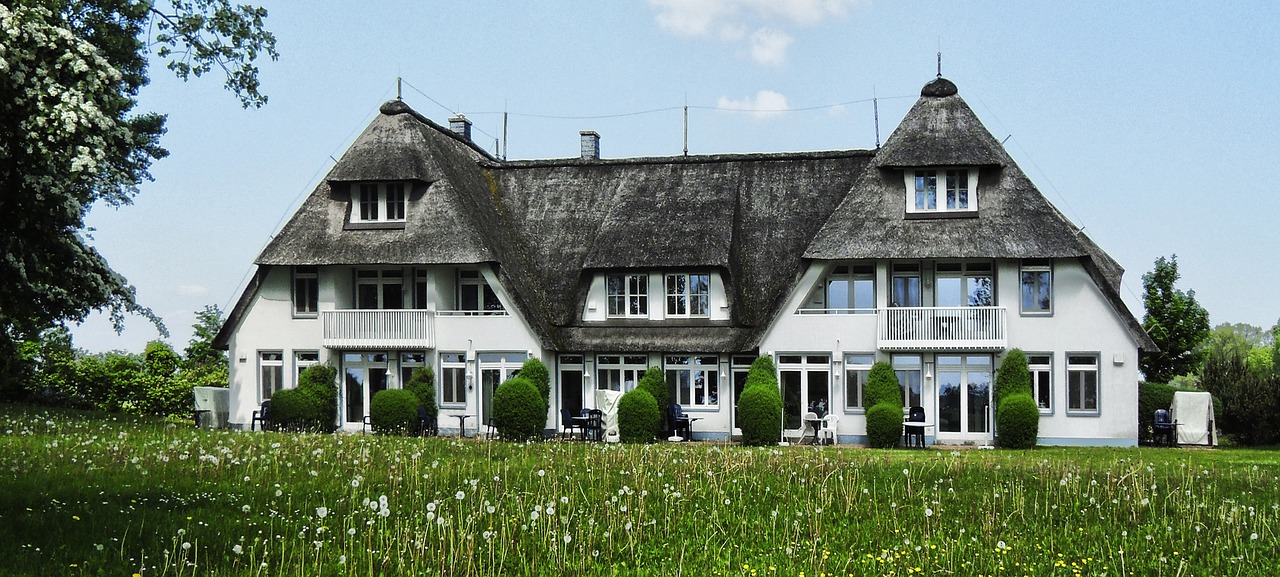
{"type": "Point", "coordinates": [491, 431]}
{"type": "Point", "coordinates": [1165, 428]}
{"type": "Point", "coordinates": [427, 426]}
{"type": "Point", "coordinates": [914, 434]}
{"type": "Point", "coordinates": [827, 434]}
{"type": "Point", "coordinates": [808, 423]}
{"type": "Point", "coordinates": [681, 424]}
{"type": "Point", "coordinates": [262, 417]}
{"type": "Point", "coordinates": [595, 425]}
{"type": "Point", "coordinates": [570, 425]}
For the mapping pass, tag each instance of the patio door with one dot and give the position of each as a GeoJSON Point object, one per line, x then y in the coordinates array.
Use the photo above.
{"type": "Point", "coordinates": [364, 375]}
{"type": "Point", "coordinates": [741, 365]}
{"type": "Point", "coordinates": [964, 397]}
{"type": "Point", "coordinates": [806, 387]}
{"type": "Point", "coordinates": [494, 369]}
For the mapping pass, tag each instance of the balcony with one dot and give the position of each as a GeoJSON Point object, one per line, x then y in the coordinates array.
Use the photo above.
{"type": "Point", "coordinates": [942, 329]}
{"type": "Point", "coordinates": [379, 329]}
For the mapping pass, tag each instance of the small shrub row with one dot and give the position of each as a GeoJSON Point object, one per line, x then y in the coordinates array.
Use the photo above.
{"type": "Point", "coordinates": [760, 405]}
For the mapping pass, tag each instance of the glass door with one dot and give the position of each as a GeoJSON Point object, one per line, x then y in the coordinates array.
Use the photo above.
{"type": "Point", "coordinates": [494, 369]}
{"type": "Point", "coordinates": [806, 388]}
{"type": "Point", "coordinates": [741, 365]}
{"type": "Point", "coordinates": [964, 397]}
{"type": "Point", "coordinates": [364, 375]}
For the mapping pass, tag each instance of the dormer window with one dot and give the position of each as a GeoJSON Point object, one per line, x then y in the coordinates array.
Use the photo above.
{"type": "Point", "coordinates": [942, 190]}
{"type": "Point", "coordinates": [628, 295]}
{"type": "Point", "coordinates": [378, 202]}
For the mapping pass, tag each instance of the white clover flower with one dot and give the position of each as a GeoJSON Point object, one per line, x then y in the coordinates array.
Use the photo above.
{"type": "Point", "coordinates": [322, 512]}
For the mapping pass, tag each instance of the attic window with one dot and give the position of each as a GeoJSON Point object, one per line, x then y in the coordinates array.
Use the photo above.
{"type": "Point", "coordinates": [377, 202]}
{"type": "Point", "coordinates": [942, 190]}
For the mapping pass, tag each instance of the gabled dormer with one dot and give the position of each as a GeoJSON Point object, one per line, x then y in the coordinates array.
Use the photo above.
{"type": "Point", "coordinates": [935, 191]}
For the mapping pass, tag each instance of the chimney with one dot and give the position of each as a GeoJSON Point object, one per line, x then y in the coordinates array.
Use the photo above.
{"type": "Point", "coordinates": [590, 145]}
{"type": "Point", "coordinates": [460, 126]}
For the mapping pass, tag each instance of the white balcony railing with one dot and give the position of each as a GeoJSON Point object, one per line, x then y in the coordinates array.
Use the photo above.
{"type": "Point", "coordinates": [942, 328]}
{"type": "Point", "coordinates": [379, 329]}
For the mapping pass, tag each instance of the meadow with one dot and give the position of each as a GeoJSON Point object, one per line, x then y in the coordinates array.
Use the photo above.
{"type": "Point", "coordinates": [93, 494]}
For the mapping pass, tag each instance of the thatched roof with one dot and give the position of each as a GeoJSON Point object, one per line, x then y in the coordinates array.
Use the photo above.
{"type": "Point", "coordinates": [548, 227]}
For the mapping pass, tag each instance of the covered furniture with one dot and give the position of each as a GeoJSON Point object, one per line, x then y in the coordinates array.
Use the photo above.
{"type": "Point", "coordinates": [914, 434]}
{"type": "Point", "coordinates": [1164, 427]}
{"type": "Point", "coordinates": [211, 407]}
{"type": "Point", "coordinates": [1192, 412]}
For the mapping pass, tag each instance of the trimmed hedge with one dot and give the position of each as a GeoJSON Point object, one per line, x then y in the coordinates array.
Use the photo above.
{"type": "Point", "coordinates": [882, 386]}
{"type": "Point", "coordinates": [639, 420]}
{"type": "Point", "coordinates": [422, 384]}
{"type": "Point", "coordinates": [536, 372]}
{"type": "Point", "coordinates": [884, 425]}
{"type": "Point", "coordinates": [1018, 420]}
{"type": "Point", "coordinates": [295, 410]}
{"type": "Point", "coordinates": [519, 411]}
{"type": "Point", "coordinates": [760, 405]}
{"type": "Point", "coordinates": [655, 382]}
{"type": "Point", "coordinates": [393, 412]}
{"type": "Point", "coordinates": [1152, 396]}
{"type": "Point", "coordinates": [319, 382]}
{"type": "Point", "coordinates": [1013, 377]}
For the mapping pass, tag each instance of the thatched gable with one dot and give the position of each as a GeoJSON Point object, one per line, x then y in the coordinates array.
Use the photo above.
{"type": "Point", "coordinates": [940, 130]}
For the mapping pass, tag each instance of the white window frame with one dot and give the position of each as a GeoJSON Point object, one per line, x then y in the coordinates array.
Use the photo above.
{"type": "Point", "coordinates": [453, 379]}
{"type": "Point", "coordinates": [1040, 365]}
{"type": "Point", "coordinates": [273, 361]}
{"type": "Point", "coordinates": [632, 301]}
{"type": "Point", "coordinates": [1077, 375]}
{"type": "Point", "coordinates": [409, 361]}
{"type": "Point", "coordinates": [902, 364]}
{"type": "Point", "coordinates": [306, 292]}
{"type": "Point", "coordinates": [302, 360]}
{"type": "Point", "coordinates": [373, 202]}
{"type": "Point", "coordinates": [683, 373]}
{"type": "Point", "coordinates": [856, 368]}
{"type": "Point", "coordinates": [683, 300]}
{"type": "Point", "coordinates": [1035, 268]}
{"type": "Point", "coordinates": [620, 372]}
{"type": "Point", "coordinates": [379, 278]}
{"type": "Point", "coordinates": [900, 284]}
{"type": "Point", "coordinates": [487, 301]}
{"type": "Point", "coordinates": [946, 177]}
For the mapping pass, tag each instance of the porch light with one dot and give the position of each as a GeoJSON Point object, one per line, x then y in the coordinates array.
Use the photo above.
{"type": "Point", "coordinates": [928, 371]}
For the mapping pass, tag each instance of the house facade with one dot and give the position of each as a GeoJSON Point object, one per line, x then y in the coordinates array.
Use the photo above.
{"type": "Point", "coordinates": [934, 253]}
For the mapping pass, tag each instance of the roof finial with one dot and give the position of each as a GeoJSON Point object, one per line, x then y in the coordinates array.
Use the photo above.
{"type": "Point", "coordinates": [939, 64]}
{"type": "Point", "coordinates": [397, 88]}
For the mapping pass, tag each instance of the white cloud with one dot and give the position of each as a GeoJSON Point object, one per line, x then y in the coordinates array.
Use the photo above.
{"type": "Point", "coordinates": [769, 46]}
{"type": "Point", "coordinates": [730, 20]}
{"type": "Point", "coordinates": [766, 103]}
{"type": "Point", "coordinates": [192, 290]}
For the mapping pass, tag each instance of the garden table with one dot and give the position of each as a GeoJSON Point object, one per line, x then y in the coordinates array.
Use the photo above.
{"type": "Point", "coordinates": [462, 425]}
{"type": "Point", "coordinates": [916, 428]}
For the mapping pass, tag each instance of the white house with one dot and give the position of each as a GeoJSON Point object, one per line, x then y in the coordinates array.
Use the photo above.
{"type": "Point", "coordinates": [934, 253]}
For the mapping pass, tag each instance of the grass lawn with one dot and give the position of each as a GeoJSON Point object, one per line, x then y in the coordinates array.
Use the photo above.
{"type": "Point", "coordinates": [88, 494]}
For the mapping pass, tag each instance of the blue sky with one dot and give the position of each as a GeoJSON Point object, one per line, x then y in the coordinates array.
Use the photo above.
{"type": "Point", "coordinates": [1152, 125]}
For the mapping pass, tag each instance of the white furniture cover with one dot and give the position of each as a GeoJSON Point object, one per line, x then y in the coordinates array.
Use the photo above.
{"type": "Point", "coordinates": [1193, 412]}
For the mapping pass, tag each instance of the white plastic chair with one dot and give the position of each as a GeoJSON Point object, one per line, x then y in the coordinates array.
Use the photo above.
{"type": "Point", "coordinates": [827, 434]}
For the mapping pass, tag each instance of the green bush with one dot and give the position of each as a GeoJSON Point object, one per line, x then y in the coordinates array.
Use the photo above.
{"type": "Point", "coordinates": [519, 411]}
{"type": "Point", "coordinates": [1247, 405]}
{"type": "Point", "coordinates": [882, 386]}
{"type": "Point", "coordinates": [639, 420]}
{"type": "Point", "coordinates": [654, 381]}
{"type": "Point", "coordinates": [1013, 377]}
{"type": "Point", "coordinates": [1018, 421]}
{"type": "Point", "coordinates": [536, 372]}
{"type": "Point", "coordinates": [319, 382]}
{"type": "Point", "coordinates": [760, 405]}
{"type": "Point", "coordinates": [884, 425]}
{"type": "Point", "coordinates": [422, 385]}
{"type": "Point", "coordinates": [393, 412]}
{"type": "Point", "coordinates": [295, 410]}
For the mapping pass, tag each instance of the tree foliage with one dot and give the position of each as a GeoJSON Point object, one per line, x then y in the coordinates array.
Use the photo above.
{"type": "Point", "coordinates": [1175, 321]}
{"type": "Point", "coordinates": [70, 71]}
{"type": "Point", "coordinates": [1250, 403]}
{"type": "Point", "coordinates": [203, 364]}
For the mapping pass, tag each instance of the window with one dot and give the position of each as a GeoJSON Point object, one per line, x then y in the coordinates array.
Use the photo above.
{"type": "Point", "coordinates": [693, 381]}
{"type": "Point", "coordinates": [304, 359]}
{"type": "Point", "coordinates": [688, 295]}
{"type": "Point", "coordinates": [420, 283]}
{"type": "Point", "coordinates": [964, 284]}
{"type": "Point", "coordinates": [1041, 367]}
{"type": "Point", "coordinates": [410, 362]}
{"type": "Point", "coordinates": [306, 288]}
{"type": "Point", "coordinates": [851, 289]}
{"type": "Point", "coordinates": [453, 378]}
{"type": "Point", "coordinates": [474, 294]}
{"type": "Point", "coordinates": [1082, 383]}
{"type": "Point", "coordinates": [270, 372]}
{"type": "Point", "coordinates": [1037, 287]}
{"type": "Point", "coordinates": [905, 285]}
{"type": "Point", "coordinates": [628, 295]}
{"type": "Point", "coordinates": [957, 187]}
{"type": "Point", "coordinates": [856, 369]}
{"type": "Point", "coordinates": [620, 373]}
{"type": "Point", "coordinates": [378, 202]}
{"type": "Point", "coordinates": [907, 368]}
{"type": "Point", "coordinates": [380, 289]}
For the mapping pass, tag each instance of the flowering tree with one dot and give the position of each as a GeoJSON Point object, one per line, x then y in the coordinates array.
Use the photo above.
{"type": "Point", "coordinates": [69, 138]}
